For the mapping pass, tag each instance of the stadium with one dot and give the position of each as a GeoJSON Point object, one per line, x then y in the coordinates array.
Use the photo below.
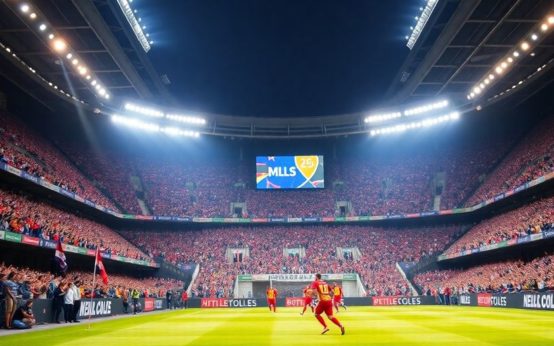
{"type": "Point", "coordinates": [196, 172]}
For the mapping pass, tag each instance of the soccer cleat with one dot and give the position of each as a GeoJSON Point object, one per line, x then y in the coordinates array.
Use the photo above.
{"type": "Point", "coordinates": [301, 314]}
{"type": "Point", "coordinates": [325, 330]}
{"type": "Point", "coordinates": [342, 331]}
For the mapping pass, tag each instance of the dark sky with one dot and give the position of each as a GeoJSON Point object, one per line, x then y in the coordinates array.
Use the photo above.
{"type": "Point", "coordinates": [278, 58]}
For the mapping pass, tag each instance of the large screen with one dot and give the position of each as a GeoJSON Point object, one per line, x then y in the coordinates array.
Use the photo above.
{"type": "Point", "coordinates": [289, 172]}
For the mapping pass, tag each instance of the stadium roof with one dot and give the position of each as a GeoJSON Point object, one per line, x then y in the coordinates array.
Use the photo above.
{"type": "Point", "coordinates": [97, 31]}
{"type": "Point", "coordinates": [461, 43]}
{"type": "Point", "coordinates": [464, 41]}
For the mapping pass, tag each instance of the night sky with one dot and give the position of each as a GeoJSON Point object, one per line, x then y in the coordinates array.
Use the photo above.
{"type": "Point", "coordinates": [278, 58]}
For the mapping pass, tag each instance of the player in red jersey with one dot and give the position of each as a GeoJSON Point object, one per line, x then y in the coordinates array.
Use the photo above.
{"type": "Point", "coordinates": [338, 297]}
{"type": "Point", "coordinates": [321, 288]}
{"type": "Point", "coordinates": [271, 294]}
{"type": "Point", "coordinates": [307, 299]}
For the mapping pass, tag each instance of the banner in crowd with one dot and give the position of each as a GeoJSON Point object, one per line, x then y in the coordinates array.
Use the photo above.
{"type": "Point", "coordinates": [207, 303]}
{"type": "Point", "coordinates": [100, 307]}
{"type": "Point", "coordinates": [297, 277]}
{"type": "Point", "coordinates": [294, 302]}
{"type": "Point", "coordinates": [148, 304]}
{"type": "Point", "coordinates": [50, 186]}
{"type": "Point", "coordinates": [399, 300]}
{"type": "Point", "coordinates": [33, 241]}
{"type": "Point", "coordinates": [95, 308]}
{"type": "Point", "coordinates": [541, 301]}
{"type": "Point", "coordinates": [529, 300]}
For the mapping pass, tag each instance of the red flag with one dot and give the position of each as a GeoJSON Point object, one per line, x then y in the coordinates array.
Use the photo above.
{"type": "Point", "coordinates": [101, 268]}
{"type": "Point", "coordinates": [59, 256]}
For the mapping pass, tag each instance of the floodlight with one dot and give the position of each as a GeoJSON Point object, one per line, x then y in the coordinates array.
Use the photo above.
{"type": "Point", "coordinates": [59, 45]}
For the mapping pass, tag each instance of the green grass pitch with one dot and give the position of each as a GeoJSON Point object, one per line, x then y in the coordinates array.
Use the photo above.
{"type": "Point", "coordinates": [421, 325]}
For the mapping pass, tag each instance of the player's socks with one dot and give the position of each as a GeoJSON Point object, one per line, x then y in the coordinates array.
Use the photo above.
{"type": "Point", "coordinates": [335, 321]}
{"type": "Point", "coordinates": [325, 330]}
{"type": "Point", "coordinates": [342, 331]}
{"type": "Point", "coordinates": [321, 320]}
{"type": "Point", "coordinates": [344, 306]}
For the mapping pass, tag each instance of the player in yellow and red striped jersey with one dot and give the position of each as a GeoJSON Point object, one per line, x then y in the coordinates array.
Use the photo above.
{"type": "Point", "coordinates": [323, 291]}
{"type": "Point", "coordinates": [338, 297]}
{"type": "Point", "coordinates": [307, 299]}
{"type": "Point", "coordinates": [271, 294]}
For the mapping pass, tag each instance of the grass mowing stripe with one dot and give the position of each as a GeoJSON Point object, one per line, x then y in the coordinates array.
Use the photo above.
{"type": "Point", "coordinates": [406, 325]}
{"type": "Point", "coordinates": [485, 329]}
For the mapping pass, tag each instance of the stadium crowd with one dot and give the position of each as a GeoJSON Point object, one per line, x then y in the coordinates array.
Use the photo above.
{"type": "Point", "coordinates": [531, 158]}
{"type": "Point", "coordinates": [24, 215]}
{"type": "Point", "coordinates": [530, 219]}
{"type": "Point", "coordinates": [191, 189]}
{"type": "Point", "coordinates": [380, 250]}
{"type": "Point", "coordinates": [110, 172]}
{"type": "Point", "coordinates": [501, 277]}
{"type": "Point", "coordinates": [399, 183]}
{"type": "Point", "coordinates": [28, 151]}
{"type": "Point", "coordinates": [19, 285]}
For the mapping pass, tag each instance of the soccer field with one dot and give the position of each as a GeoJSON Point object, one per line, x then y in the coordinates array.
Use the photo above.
{"type": "Point", "coordinates": [421, 325]}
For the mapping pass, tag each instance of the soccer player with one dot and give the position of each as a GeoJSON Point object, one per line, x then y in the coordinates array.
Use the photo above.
{"type": "Point", "coordinates": [325, 304]}
{"type": "Point", "coordinates": [271, 294]}
{"type": "Point", "coordinates": [338, 297]}
{"type": "Point", "coordinates": [307, 299]}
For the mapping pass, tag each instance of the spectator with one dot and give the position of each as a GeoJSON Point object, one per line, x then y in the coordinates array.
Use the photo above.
{"type": "Point", "coordinates": [10, 298]}
{"type": "Point", "coordinates": [76, 300]}
{"type": "Point", "coordinates": [68, 301]}
{"type": "Point", "coordinates": [530, 219]}
{"type": "Point", "coordinates": [23, 316]}
{"type": "Point", "coordinates": [58, 301]}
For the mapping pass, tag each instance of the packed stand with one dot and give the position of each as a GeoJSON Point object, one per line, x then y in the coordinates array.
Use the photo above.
{"type": "Point", "coordinates": [400, 183]}
{"type": "Point", "coordinates": [24, 215]}
{"type": "Point", "coordinates": [21, 148]}
{"type": "Point", "coordinates": [388, 186]}
{"type": "Point", "coordinates": [290, 203]}
{"type": "Point", "coordinates": [466, 169]}
{"type": "Point", "coordinates": [532, 158]}
{"type": "Point", "coordinates": [502, 277]}
{"type": "Point", "coordinates": [380, 250]}
{"type": "Point", "coordinates": [530, 219]}
{"type": "Point", "coordinates": [188, 188]}
{"type": "Point", "coordinates": [21, 285]}
{"type": "Point", "coordinates": [112, 173]}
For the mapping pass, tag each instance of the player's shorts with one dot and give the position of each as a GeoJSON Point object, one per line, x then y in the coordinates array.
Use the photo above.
{"type": "Point", "coordinates": [307, 300]}
{"type": "Point", "coordinates": [337, 299]}
{"type": "Point", "coordinates": [271, 302]}
{"type": "Point", "coordinates": [324, 306]}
